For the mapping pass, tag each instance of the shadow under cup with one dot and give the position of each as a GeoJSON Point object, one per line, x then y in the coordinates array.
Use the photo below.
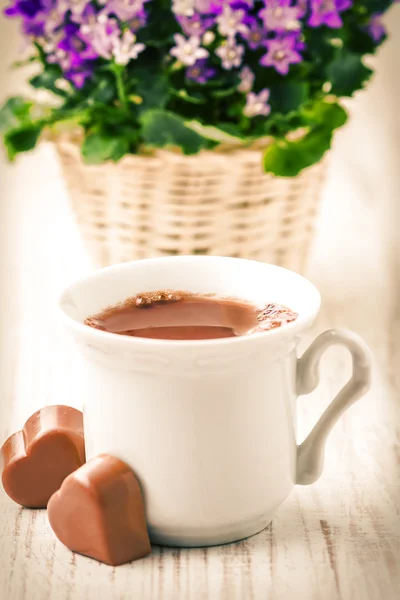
{"type": "Point", "coordinates": [208, 426]}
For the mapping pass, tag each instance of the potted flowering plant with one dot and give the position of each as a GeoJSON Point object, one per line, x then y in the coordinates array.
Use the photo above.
{"type": "Point", "coordinates": [192, 90]}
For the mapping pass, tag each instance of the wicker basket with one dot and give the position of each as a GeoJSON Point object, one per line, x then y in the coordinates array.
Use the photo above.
{"type": "Point", "coordinates": [211, 203]}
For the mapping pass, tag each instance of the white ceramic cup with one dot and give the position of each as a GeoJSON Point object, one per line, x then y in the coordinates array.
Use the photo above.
{"type": "Point", "coordinates": [208, 426]}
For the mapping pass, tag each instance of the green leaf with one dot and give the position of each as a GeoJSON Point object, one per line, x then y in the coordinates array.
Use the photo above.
{"type": "Point", "coordinates": [161, 128]}
{"type": "Point", "coordinates": [360, 41]}
{"type": "Point", "coordinates": [225, 93]}
{"type": "Point", "coordinates": [286, 158]}
{"type": "Point", "coordinates": [98, 148]}
{"type": "Point", "coordinates": [23, 63]}
{"type": "Point", "coordinates": [329, 114]}
{"type": "Point", "coordinates": [22, 139]}
{"type": "Point", "coordinates": [347, 73]}
{"type": "Point", "coordinates": [224, 133]}
{"type": "Point", "coordinates": [231, 129]}
{"type": "Point", "coordinates": [104, 91]}
{"type": "Point", "coordinates": [152, 88]}
{"type": "Point", "coordinates": [111, 115]}
{"type": "Point", "coordinates": [288, 96]}
{"type": "Point", "coordinates": [48, 80]}
{"type": "Point", "coordinates": [377, 6]}
{"type": "Point", "coordinates": [191, 98]}
{"type": "Point", "coordinates": [14, 112]}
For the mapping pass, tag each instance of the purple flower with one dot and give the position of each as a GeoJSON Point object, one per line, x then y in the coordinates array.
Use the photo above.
{"type": "Point", "coordinates": [376, 28]}
{"type": "Point", "coordinates": [125, 9]}
{"type": "Point", "coordinates": [325, 12]}
{"type": "Point", "coordinates": [282, 52]}
{"type": "Point", "coordinates": [280, 16]}
{"type": "Point", "coordinates": [195, 25]}
{"type": "Point", "coordinates": [241, 4]}
{"type": "Point", "coordinates": [255, 34]}
{"type": "Point", "coordinates": [78, 77]}
{"type": "Point", "coordinates": [200, 72]}
{"type": "Point", "coordinates": [257, 104]}
{"type": "Point", "coordinates": [302, 7]}
{"type": "Point", "coordinates": [33, 27]}
{"type": "Point", "coordinates": [213, 7]}
{"type": "Point", "coordinates": [138, 21]}
{"type": "Point", "coordinates": [75, 48]}
{"type": "Point", "coordinates": [27, 9]}
{"type": "Point", "coordinates": [343, 5]}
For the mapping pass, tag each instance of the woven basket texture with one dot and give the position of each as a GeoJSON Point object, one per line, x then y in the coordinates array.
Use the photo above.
{"type": "Point", "coordinates": [211, 203]}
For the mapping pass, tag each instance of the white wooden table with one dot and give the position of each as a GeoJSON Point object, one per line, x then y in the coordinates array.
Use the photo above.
{"type": "Point", "coordinates": [337, 539]}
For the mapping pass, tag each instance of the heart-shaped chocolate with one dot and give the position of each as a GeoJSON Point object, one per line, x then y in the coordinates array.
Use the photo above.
{"type": "Point", "coordinates": [36, 460]}
{"type": "Point", "coordinates": [99, 512]}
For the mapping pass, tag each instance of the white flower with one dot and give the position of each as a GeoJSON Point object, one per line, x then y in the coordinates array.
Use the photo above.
{"type": "Point", "coordinates": [246, 80]}
{"type": "Point", "coordinates": [230, 22]}
{"type": "Point", "coordinates": [231, 54]}
{"type": "Point", "coordinates": [125, 48]}
{"type": "Point", "coordinates": [102, 33]}
{"type": "Point", "coordinates": [183, 8]}
{"type": "Point", "coordinates": [188, 50]}
{"type": "Point", "coordinates": [257, 104]}
{"type": "Point", "coordinates": [208, 38]}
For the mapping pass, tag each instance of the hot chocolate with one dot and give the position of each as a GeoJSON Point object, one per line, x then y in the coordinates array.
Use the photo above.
{"type": "Point", "coordinates": [175, 315]}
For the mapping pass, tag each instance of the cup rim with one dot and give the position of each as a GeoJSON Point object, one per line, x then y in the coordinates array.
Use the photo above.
{"type": "Point", "coordinates": [303, 320]}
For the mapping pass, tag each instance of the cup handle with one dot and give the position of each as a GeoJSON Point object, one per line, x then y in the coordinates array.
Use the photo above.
{"type": "Point", "coordinates": [310, 454]}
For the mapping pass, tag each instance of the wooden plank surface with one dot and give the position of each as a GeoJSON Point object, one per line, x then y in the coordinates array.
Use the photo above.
{"type": "Point", "coordinates": [337, 539]}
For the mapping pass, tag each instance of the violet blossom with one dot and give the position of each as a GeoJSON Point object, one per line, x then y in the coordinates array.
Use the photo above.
{"type": "Point", "coordinates": [75, 48]}
{"type": "Point", "coordinates": [78, 77]}
{"type": "Point", "coordinates": [138, 21]}
{"type": "Point", "coordinates": [255, 33]}
{"type": "Point", "coordinates": [27, 9]}
{"type": "Point", "coordinates": [280, 16]}
{"type": "Point", "coordinates": [209, 6]}
{"type": "Point", "coordinates": [376, 28]}
{"type": "Point", "coordinates": [124, 9]}
{"type": "Point", "coordinates": [327, 12]}
{"type": "Point", "coordinates": [200, 72]}
{"type": "Point", "coordinates": [282, 52]}
{"type": "Point", "coordinates": [196, 25]}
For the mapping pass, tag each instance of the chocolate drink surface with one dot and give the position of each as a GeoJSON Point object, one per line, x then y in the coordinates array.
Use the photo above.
{"type": "Point", "coordinates": [172, 315]}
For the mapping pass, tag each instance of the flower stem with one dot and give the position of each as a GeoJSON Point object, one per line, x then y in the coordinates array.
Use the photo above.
{"type": "Point", "coordinates": [118, 72]}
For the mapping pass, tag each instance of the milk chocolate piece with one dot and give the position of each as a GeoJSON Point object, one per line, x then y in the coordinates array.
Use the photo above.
{"type": "Point", "coordinates": [36, 460]}
{"type": "Point", "coordinates": [99, 512]}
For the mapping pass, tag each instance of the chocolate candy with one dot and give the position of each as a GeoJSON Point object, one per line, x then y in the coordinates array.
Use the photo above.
{"type": "Point", "coordinates": [36, 460]}
{"type": "Point", "coordinates": [99, 512]}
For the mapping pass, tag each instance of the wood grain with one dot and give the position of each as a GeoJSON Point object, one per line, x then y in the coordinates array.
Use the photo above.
{"type": "Point", "coordinates": [338, 539]}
